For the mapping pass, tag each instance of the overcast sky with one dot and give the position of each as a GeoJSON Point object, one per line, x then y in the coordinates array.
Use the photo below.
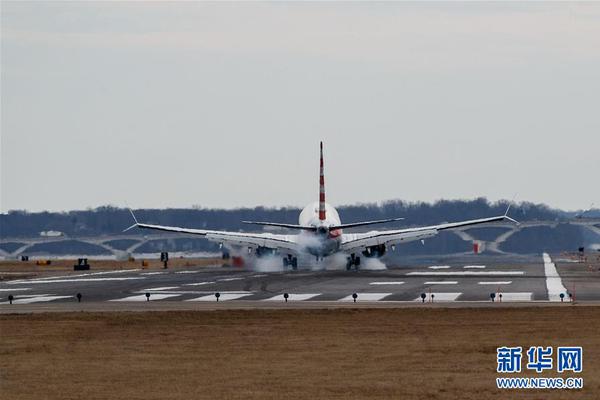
{"type": "Point", "coordinates": [176, 104]}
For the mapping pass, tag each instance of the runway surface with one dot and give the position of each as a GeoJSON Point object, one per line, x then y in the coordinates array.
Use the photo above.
{"type": "Point", "coordinates": [441, 280]}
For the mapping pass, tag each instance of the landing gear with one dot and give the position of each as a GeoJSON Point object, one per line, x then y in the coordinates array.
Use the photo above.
{"type": "Point", "coordinates": [290, 261]}
{"type": "Point", "coordinates": [352, 261]}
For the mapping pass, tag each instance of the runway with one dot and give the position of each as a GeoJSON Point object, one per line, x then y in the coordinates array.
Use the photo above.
{"type": "Point", "coordinates": [450, 280]}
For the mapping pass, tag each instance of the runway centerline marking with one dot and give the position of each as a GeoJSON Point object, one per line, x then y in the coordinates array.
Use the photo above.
{"type": "Point", "coordinates": [387, 283]}
{"type": "Point", "coordinates": [14, 289]}
{"type": "Point", "coordinates": [494, 283]}
{"type": "Point", "coordinates": [437, 296]}
{"type": "Point", "coordinates": [199, 283]}
{"type": "Point", "coordinates": [187, 272]}
{"type": "Point", "coordinates": [161, 288]}
{"type": "Point", "coordinates": [439, 267]}
{"type": "Point", "coordinates": [230, 279]}
{"type": "Point", "coordinates": [142, 297]}
{"type": "Point", "coordinates": [441, 283]}
{"type": "Point", "coordinates": [474, 267]}
{"type": "Point", "coordinates": [464, 273]}
{"type": "Point", "coordinates": [293, 297]}
{"type": "Point", "coordinates": [366, 297]}
{"type": "Point", "coordinates": [554, 283]}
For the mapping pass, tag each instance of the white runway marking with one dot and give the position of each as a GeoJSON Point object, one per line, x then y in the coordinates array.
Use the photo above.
{"type": "Point", "coordinates": [142, 297]}
{"type": "Point", "coordinates": [495, 283]}
{"type": "Point", "coordinates": [441, 283]}
{"type": "Point", "coordinates": [293, 297]}
{"type": "Point", "coordinates": [161, 288]}
{"type": "Point", "coordinates": [474, 267]}
{"type": "Point", "coordinates": [439, 297]}
{"type": "Point", "coordinates": [465, 273]}
{"type": "Point", "coordinates": [153, 273]}
{"type": "Point", "coordinates": [387, 283]}
{"type": "Point", "coordinates": [553, 282]}
{"type": "Point", "coordinates": [514, 296]}
{"type": "Point", "coordinates": [366, 297]}
{"type": "Point", "coordinates": [35, 299]}
{"type": "Point", "coordinates": [81, 280]}
{"type": "Point", "coordinates": [187, 272]}
{"type": "Point", "coordinates": [49, 278]}
{"type": "Point", "coordinates": [198, 283]}
{"type": "Point", "coordinates": [223, 297]}
{"type": "Point", "coordinates": [439, 267]}
{"type": "Point", "coordinates": [14, 289]}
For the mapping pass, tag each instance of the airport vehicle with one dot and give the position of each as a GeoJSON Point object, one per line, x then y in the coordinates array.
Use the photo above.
{"type": "Point", "coordinates": [321, 234]}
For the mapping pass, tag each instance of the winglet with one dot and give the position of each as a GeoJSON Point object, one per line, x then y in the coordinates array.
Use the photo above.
{"type": "Point", "coordinates": [134, 219]}
{"type": "Point", "coordinates": [133, 215]}
{"type": "Point", "coordinates": [509, 218]}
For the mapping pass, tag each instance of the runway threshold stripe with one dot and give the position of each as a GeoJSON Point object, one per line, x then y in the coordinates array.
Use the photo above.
{"type": "Point", "coordinates": [223, 297]}
{"type": "Point", "coordinates": [36, 299]}
{"type": "Point", "coordinates": [465, 273]}
{"type": "Point", "coordinates": [91, 280]}
{"type": "Point", "coordinates": [142, 297]}
{"type": "Point", "coordinates": [554, 283]}
{"type": "Point", "coordinates": [366, 297]}
{"type": "Point", "coordinates": [293, 297]}
{"type": "Point", "coordinates": [437, 296]}
{"type": "Point", "coordinates": [387, 283]}
{"type": "Point", "coordinates": [494, 283]}
{"type": "Point", "coordinates": [514, 296]}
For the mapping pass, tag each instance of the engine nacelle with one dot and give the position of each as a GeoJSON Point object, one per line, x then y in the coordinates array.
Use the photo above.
{"type": "Point", "coordinates": [375, 251]}
{"type": "Point", "coordinates": [265, 251]}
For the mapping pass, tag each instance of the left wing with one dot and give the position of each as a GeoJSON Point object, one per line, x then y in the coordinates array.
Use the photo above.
{"type": "Point", "coordinates": [356, 241]}
{"type": "Point", "coordinates": [287, 242]}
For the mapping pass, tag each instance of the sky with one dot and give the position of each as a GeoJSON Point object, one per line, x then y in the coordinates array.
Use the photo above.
{"type": "Point", "coordinates": [180, 104]}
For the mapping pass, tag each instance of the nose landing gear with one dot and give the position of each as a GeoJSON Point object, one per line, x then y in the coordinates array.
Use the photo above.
{"type": "Point", "coordinates": [352, 261]}
{"type": "Point", "coordinates": [290, 261]}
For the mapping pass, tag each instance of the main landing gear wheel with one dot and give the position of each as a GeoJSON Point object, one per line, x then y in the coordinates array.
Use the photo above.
{"type": "Point", "coordinates": [352, 261]}
{"type": "Point", "coordinates": [290, 261]}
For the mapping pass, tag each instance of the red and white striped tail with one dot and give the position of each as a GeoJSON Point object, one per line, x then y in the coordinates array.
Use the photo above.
{"type": "Point", "coordinates": [322, 189]}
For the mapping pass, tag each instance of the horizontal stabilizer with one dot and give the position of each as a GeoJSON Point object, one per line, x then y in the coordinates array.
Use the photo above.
{"type": "Point", "coordinates": [277, 224]}
{"type": "Point", "coordinates": [364, 223]}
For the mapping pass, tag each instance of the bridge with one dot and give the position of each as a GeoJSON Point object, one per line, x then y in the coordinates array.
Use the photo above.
{"type": "Point", "coordinates": [468, 234]}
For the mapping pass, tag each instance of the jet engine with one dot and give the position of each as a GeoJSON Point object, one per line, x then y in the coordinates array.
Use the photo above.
{"type": "Point", "coordinates": [375, 251]}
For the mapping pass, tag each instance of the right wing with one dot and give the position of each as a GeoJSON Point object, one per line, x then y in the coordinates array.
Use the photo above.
{"type": "Point", "coordinates": [355, 241]}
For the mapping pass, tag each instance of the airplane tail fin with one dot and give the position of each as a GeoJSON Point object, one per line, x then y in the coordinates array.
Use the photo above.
{"type": "Point", "coordinates": [322, 189]}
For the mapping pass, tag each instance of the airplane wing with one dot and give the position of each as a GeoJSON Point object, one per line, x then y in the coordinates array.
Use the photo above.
{"type": "Point", "coordinates": [270, 240]}
{"type": "Point", "coordinates": [359, 241]}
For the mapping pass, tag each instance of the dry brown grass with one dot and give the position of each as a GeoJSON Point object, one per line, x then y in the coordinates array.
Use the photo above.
{"type": "Point", "coordinates": [277, 354]}
{"type": "Point", "coordinates": [13, 269]}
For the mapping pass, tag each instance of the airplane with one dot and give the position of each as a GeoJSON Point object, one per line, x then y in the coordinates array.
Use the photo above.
{"type": "Point", "coordinates": [321, 234]}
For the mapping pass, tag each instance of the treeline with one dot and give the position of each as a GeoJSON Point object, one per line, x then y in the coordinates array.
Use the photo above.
{"type": "Point", "coordinates": [112, 220]}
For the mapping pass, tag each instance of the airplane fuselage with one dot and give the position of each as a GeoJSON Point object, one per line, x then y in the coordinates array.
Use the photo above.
{"type": "Point", "coordinates": [323, 241]}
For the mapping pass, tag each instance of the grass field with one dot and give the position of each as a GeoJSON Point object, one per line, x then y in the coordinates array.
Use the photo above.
{"type": "Point", "coordinates": [14, 269]}
{"type": "Point", "coordinates": [444, 353]}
